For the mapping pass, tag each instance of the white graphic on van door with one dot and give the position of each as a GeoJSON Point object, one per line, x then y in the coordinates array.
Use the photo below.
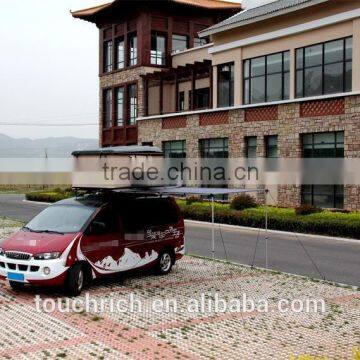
{"type": "Point", "coordinates": [129, 260]}
{"type": "Point", "coordinates": [160, 235]}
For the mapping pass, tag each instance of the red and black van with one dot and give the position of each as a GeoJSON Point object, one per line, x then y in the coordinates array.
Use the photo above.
{"type": "Point", "coordinates": [77, 240]}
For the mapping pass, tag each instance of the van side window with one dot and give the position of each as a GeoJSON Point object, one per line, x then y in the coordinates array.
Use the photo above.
{"type": "Point", "coordinates": [145, 213]}
{"type": "Point", "coordinates": [106, 220]}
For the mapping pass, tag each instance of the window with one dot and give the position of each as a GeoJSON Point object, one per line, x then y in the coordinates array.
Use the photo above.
{"type": "Point", "coordinates": [108, 106]}
{"type": "Point", "coordinates": [226, 85]}
{"type": "Point", "coordinates": [132, 50]}
{"type": "Point", "coordinates": [147, 143]}
{"type": "Point", "coordinates": [120, 54]}
{"type": "Point", "coordinates": [324, 68]}
{"type": "Point", "coordinates": [323, 145]}
{"type": "Point", "coordinates": [108, 56]}
{"type": "Point", "coordinates": [267, 78]}
{"type": "Point", "coordinates": [201, 42]}
{"type": "Point", "coordinates": [324, 196]}
{"type": "Point", "coordinates": [179, 43]}
{"type": "Point", "coordinates": [132, 98]}
{"type": "Point", "coordinates": [202, 97]}
{"type": "Point", "coordinates": [181, 101]}
{"type": "Point", "coordinates": [120, 106]}
{"type": "Point", "coordinates": [174, 149]}
{"type": "Point", "coordinates": [143, 214]}
{"type": "Point", "coordinates": [119, 119]}
{"type": "Point", "coordinates": [251, 146]}
{"type": "Point", "coordinates": [271, 146]}
{"type": "Point", "coordinates": [158, 49]}
{"type": "Point", "coordinates": [214, 148]}
{"type": "Point", "coordinates": [320, 145]}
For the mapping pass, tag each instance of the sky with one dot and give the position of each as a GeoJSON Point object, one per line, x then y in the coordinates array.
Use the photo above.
{"type": "Point", "coordinates": [48, 69]}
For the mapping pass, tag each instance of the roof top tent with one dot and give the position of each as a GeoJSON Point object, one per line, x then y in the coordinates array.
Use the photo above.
{"type": "Point", "coordinates": [93, 171]}
{"type": "Point", "coordinates": [117, 167]}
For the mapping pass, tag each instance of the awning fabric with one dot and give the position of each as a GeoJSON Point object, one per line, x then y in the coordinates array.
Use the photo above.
{"type": "Point", "coordinates": [171, 190]}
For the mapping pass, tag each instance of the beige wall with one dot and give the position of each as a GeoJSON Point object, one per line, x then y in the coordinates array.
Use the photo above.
{"type": "Point", "coordinates": [191, 55]}
{"type": "Point", "coordinates": [169, 95]}
{"type": "Point", "coordinates": [292, 42]}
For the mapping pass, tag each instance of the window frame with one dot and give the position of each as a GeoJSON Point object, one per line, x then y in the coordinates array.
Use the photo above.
{"type": "Point", "coordinates": [337, 194]}
{"type": "Point", "coordinates": [108, 116]}
{"type": "Point", "coordinates": [108, 59]}
{"type": "Point", "coordinates": [231, 99]}
{"type": "Point", "coordinates": [127, 120]}
{"type": "Point", "coordinates": [344, 62]}
{"type": "Point", "coordinates": [116, 103]}
{"type": "Point", "coordinates": [267, 146]}
{"type": "Point", "coordinates": [313, 143]}
{"type": "Point", "coordinates": [132, 60]}
{"type": "Point", "coordinates": [163, 57]}
{"type": "Point", "coordinates": [119, 40]}
{"type": "Point", "coordinates": [171, 143]}
{"type": "Point", "coordinates": [186, 36]}
{"type": "Point", "coordinates": [247, 146]}
{"type": "Point", "coordinates": [249, 78]}
{"type": "Point", "coordinates": [205, 148]}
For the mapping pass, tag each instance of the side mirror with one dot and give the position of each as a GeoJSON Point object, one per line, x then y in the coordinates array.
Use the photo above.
{"type": "Point", "coordinates": [97, 228]}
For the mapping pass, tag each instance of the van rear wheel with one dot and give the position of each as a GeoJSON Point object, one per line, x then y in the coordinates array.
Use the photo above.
{"type": "Point", "coordinates": [75, 280]}
{"type": "Point", "coordinates": [165, 263]}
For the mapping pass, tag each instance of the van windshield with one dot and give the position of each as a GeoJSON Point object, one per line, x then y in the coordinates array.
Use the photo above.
{"type": "Point", "coordinates": [60, 219]}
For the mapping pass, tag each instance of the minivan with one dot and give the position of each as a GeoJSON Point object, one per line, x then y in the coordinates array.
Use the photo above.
{"type": "Point", "coordinates": [74, 241]}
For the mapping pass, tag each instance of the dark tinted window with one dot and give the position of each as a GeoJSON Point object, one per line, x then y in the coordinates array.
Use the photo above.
{"type": "Point", "coordinates": [158, 49]}
{"type": "Point", "coordinates": [324, 68]}
{"type": "Point", "coordinates": [61, 218]}
{"type": "Point", "coordinates": [146, 213]}
{"type": "Point", "coordinates": [267, 78]}
{"type": "Point", "coordinates": [174, 149]}
{"type": "Point", "coordinates": [214, 148]}
{"type": "Point", "coordinates": [226, 85]}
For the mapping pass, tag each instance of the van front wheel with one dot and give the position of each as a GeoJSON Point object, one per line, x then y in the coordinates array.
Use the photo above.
{"type": "Point", "coordinates": [17, 286]}
{"type": "Point", "coordinates": [75, 280]}
{"type": "Point", "coordinates": [165, 263]}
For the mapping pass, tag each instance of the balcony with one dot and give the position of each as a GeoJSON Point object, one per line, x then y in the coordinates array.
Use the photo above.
{"type": "Point", "coordinates": [187, 87]}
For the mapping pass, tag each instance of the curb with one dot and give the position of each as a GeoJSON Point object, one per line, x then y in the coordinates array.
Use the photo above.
{"type": "Point", "coordinates": [236, 227]}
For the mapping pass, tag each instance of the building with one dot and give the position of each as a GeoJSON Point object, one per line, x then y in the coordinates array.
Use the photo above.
{"type": "Point", "coordinates": [282, 79]}
{"type": "Point", "coordinates": [137, 38]}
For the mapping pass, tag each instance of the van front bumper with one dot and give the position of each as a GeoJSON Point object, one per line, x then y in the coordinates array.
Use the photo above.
{"type": "Point", "coordinates": [34, 272]}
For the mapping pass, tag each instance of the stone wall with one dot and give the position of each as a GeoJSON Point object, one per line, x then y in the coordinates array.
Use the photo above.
{"type": "Point", "coordinates": [289, 126]}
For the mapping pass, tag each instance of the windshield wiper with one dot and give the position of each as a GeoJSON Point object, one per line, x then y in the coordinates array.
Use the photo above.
{"type": "Point", "coordinates": [50, 232]}
{"type": "Point", "coordinates": [27, 229]}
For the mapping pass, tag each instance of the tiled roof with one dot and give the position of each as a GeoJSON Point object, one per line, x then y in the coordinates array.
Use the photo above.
{"type": "Point", "coordinates": [206, 4]}
{"type": "Point", "coordinates": [253, 14]}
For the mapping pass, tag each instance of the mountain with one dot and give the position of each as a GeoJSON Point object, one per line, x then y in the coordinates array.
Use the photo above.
{"type": "Point", "coordinates": [39, 148]}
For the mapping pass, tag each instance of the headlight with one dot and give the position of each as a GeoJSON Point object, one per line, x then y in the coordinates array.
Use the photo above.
{"type": "Point", "coordinates": [47, 256]}
{"type": "Point", "coordinates": [2, 252]}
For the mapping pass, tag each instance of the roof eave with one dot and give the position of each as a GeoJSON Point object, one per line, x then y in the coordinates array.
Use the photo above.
{"type": "Point", "coordinates": [226, 27]}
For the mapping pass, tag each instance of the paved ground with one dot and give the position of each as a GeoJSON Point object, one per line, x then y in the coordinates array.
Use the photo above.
{"type": "Point", "coordinates": [184, 334]}
{"type": "Point", "coordinates": [337, 261]}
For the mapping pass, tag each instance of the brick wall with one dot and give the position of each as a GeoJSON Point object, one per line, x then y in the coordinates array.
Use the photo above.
{"type": "Point", "coordinates": [289, 126]}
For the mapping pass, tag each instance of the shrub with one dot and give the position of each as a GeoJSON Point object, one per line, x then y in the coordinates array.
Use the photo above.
{"type": "Point", "coordinates": [243, 202]}
{"type": "Point", "coordinates": [307, 210]}
{"type": "Point", "coordinates": [324, 223]}
{"type": "Point", "coordinates": [193, 199]}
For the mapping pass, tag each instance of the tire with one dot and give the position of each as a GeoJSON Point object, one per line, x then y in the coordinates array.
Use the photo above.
{"type": "Point", "coordinates": [75, 280]}
{"type": "Point", "coordinates": [17, 285]}
{"type": "Point", "coordinates": [165, 262]}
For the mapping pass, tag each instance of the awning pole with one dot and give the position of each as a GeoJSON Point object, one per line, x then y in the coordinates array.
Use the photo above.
{"type": "Point", "coordinates": [266, 229]}
{"type": "Point", "coordinates": [213, 227]}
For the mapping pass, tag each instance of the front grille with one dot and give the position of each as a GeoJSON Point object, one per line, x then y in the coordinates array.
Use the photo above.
{"type": "Point", "coordinates": [2, 264]}
{"type": "Point", "coordinates": [12, 266]}
{"type": "Point", "coordinates": [17, 255]}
